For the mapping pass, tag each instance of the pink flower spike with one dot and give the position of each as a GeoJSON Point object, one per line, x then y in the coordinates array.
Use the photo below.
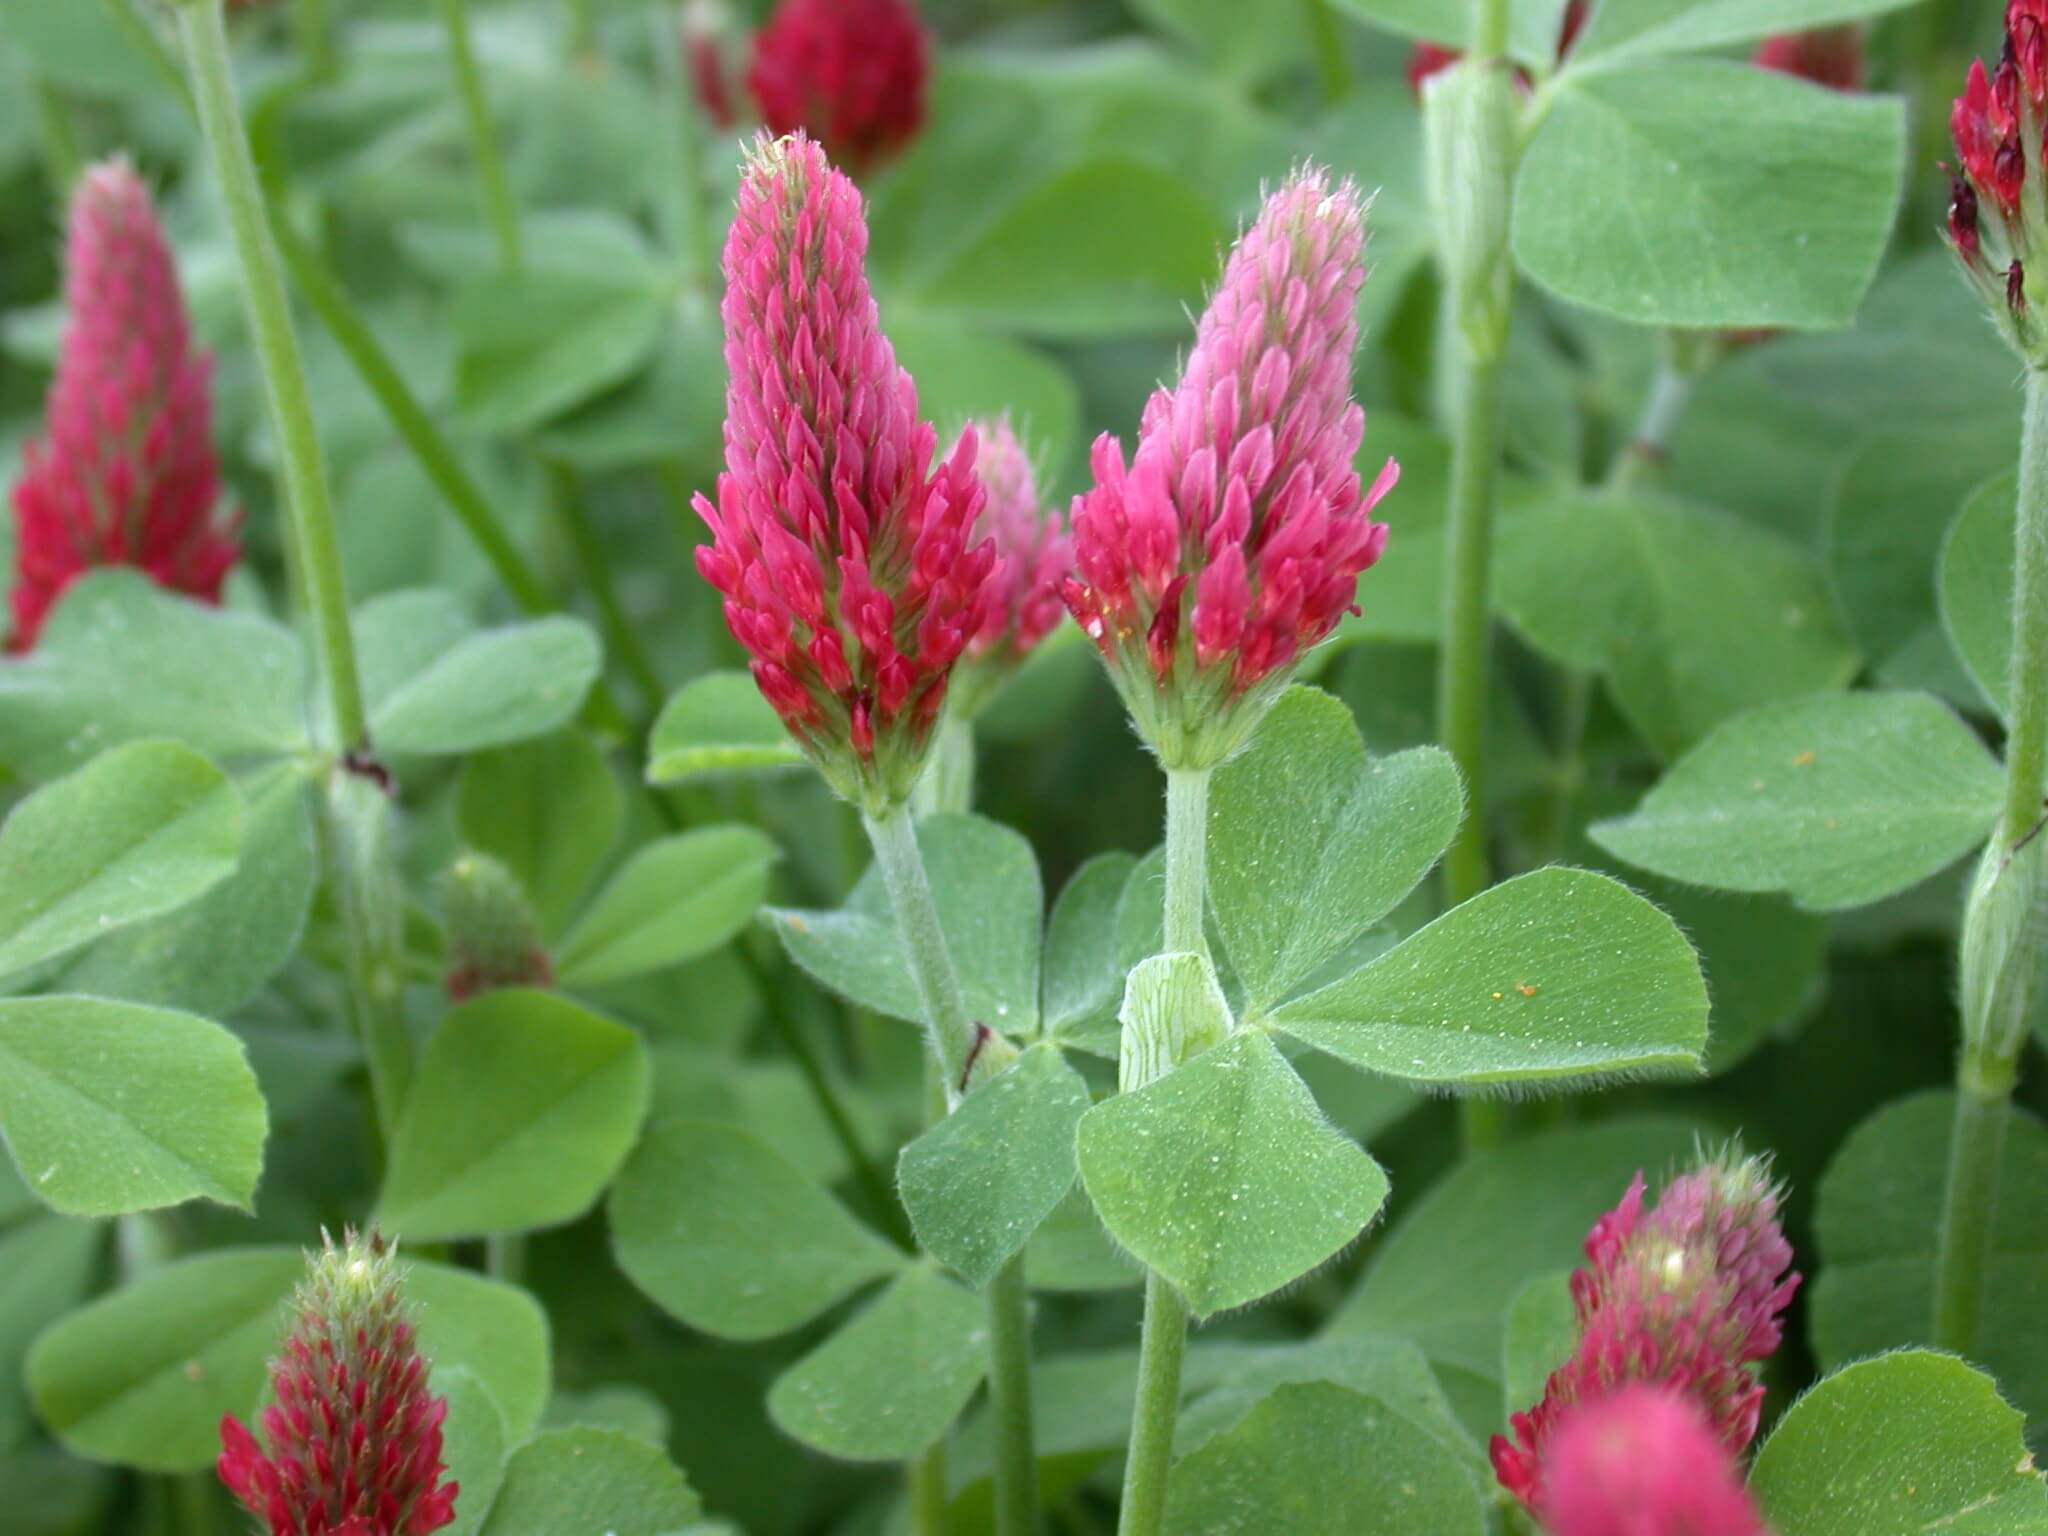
{"type": "Point", "coordinates": [1643, 1462]}
{"type": "Point", "coordinates": [851, 73]}
{"type": "Point", "coordinates": [125, 472]}
{"type": "Point", "coordinates": [1033, 552]}
{"type": "Point", "coordinates": [856, 571]}
{"type": "Point", "coordinates": [1234, 540]}
{"type": "Point", "coordinates": [352, 1438]}
{"type": "Point", "coordinates": [1688, 1295]}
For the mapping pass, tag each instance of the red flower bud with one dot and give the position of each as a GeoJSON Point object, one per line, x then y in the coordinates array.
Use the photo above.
{"type": "Point", "coordinates": [1643, 1462]}
{"type": "Point", "coordinates": [1234, 540]}
{"type": "Point", "coordinates": [853, 567]}
{"type": "Point", "coordinates": [351, 1443]}
{"type": "Point", "coordinates": [851, 73]}
{"type": "Point", "coordinates": [1686, 1297]}
{"type": "Point", "coordinates": [1830, 56]}
{"type": "Point", "coordinates": [125, 472]}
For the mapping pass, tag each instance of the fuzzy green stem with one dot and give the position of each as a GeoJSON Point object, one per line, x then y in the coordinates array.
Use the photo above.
{"type": "Point", "coordinates": [1326, 37]}
{"type": "Point", "coordinates": [1489, 28]}
{"type": "Point", "coordinates": [499, 206]}
{"type": "Point", "coordinates": [147, 41]}
{"type": "Point", "coordinates": [1163, 1343]}
{"type": "Point", "coordinates": [1187, 853]}
{"type": "Point", "coordinates": [1160, 1351]}
{"type": "Point", "coordinates": [362, 873]}
{"type": "Point", "coordinates": [1468, 621]}
{"type": "Point", "coordinates": [1969, 1209]}
{"type": "Point", "coordinates": [621, 636]}
{"type": "Point", "coordinates": [947, 787]}
{"type": "Point", "coordinates": [310, 503]}
{"type": "Point", "coordinates": [948, 1030]}
{"type": "Point", "coordinates": [55, 136]}
{"type": "Point", "coordinates": [927, 1478]}
{"type": "Point", "coordinates": [1016, 1479]}
{"type": "Point", "coordinates": [1999, 942]}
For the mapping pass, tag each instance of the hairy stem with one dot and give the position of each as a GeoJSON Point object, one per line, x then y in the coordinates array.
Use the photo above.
{"type": "Point", "coordinates": [1163, 1342]}
{"type": "Point", "coordinates": [310, 504]}
{"type": "Point", "coordinates": [2000, 938]}
{"type": "Point", "coordinates": [927, 1478]}
{"type": "Point", "coordinates": [1009, 1319]}
{"type": "Point", "coordinates": [499, 206]}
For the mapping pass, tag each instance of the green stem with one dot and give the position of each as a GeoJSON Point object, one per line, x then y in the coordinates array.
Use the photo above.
{"type": "Point", "coordinates": [197, 1507]}
{"type": "Point", "coordinates": [691, 234]}
{"type": "Point", "coordinates": [1969, 1209]}
{"type": "Point", "coordinates": [505, 1257]}
{"type": "Point", "coordinates": [362, 872]}
{"type": "Point", "coordinates": [2000, 937]}
{"type": "Point", "coordinates": [499, 207]}
{"type": "Point", "coordinates": [1468, 621]}
{"type": "Point", "coordinates": [1009, 1322]}
{"type": "Point", "coordinates": [313, 34]}
{"type": "Point", "coordinates": [955, 1040]}
{"type": "Point", "coordinates": [928, 1498]}
{"type": "Point", "coordinates": [950, 1033]}
{"type": "Point", "coordinates": [887, 1209]}
{"type": "Point", "coordinates": [310, 503]}
{"type": "Point", "coordinates": [1187, 852]}
{"type": "Point", "coordinates": [1489, 28]}
{"type": "Point", "coordinates": [55, 136]}
{"type": "Point", "coordinates": [1333, 66]}
{"type": "Point", "coordinates": [1163, 1342]}
{"type": "Point", "coordinates": [147, 41]}
{"type": "Point", "coordinates": [1157, 1411]}
{"type": "Point", "coordinates": [622, 638]}
{"type": "Point", "coordinates": [947, 787]}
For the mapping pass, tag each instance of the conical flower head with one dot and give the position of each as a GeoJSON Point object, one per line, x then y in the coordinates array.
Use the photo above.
{"type": "Point", "coordinates": [851, 73]}
{"type": "Point", "coordinates": [1687, 1295]}
{"type": "Point", "coordinates": [1998, 206]}
{"type": "Point", "coordinates": [493, 940]}
{"type": "Point", "coordinates": [850, 563]}
{"type": "Point", "coordinates": [1643, 1462]}
{"type": "Point", "coordinates": [1033, 553]}
{"type": "Point", "coordinates": [1234, 539]}
{"type": "Point", "coordinates": [124, 473]}
{"type": "Point", "coordinates": [1830, 56]}
{"type": "Point", "coordinates": [351, 1443]}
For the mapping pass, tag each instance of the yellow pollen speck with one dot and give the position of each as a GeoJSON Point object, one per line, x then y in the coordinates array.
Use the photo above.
{"type": "Point", "coordinates": [1527, 988]}
{"type": "Point", "coordinates": [1498, 996]}
{"type": "Point", "coordinates": [194, 1371]}
{"type": "Point", "coordinates": [1805, 759]}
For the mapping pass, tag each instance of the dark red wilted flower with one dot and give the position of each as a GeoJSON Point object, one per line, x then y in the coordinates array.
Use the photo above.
{"type": "Point", "coordinates": [1830, 56]}
{"type": "Point", "coordinates": [1235, 538]}
{"type": "Point", "coordinates": [125, 472]}
{"type": "Point", "coordinates": [707, 34]}
{"type": "Point", "coordinates": [1432, 58]}
{"type": "Point", "coordinates": [851, 73]}
{"type": "Point", "coordinates": [850, 564]}
{"type": "Point", "coordinates": [1994, 228]}
{"type": "Point", "coordinates": [1687, 1296]}
{"type": "Point", "coordinates": [351, 1443]}
{"type": "Point", "coordinates": [493, 940]}
{"type": "Point", "coordinates": [1643, 1462]}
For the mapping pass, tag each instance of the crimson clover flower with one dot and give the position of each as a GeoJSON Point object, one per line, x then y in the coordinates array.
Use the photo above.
{"type": "Point", "coordinates": [1643, 1461]}
{"type": "Point", "coordinates": [1996, 219]}
{"type": "Point", "coordinates": [125, 471]}
{"type": "Point", "coordinates": [351, 1443]}
{"type": "Point", "coordinates": [1830, 56]}
{"type": "Point", "coordinates": [850, 563]}
{"type": "Point", "coordinates": [1687, 1295]}
{"type": "Point", "coordinates": [851, 73]}
{"type": "Point", "coordinates": [1033, 553]}
{"type": "Point", "coordinates": [1233, 540]}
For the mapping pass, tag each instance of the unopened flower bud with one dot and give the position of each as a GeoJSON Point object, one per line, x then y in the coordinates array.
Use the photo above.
{"type": "Point", "coordinates": [350, 1444]}
{"type": "Point", "coordinates": [1234, 540]}
{"type": "Point", "coordinates": [850, 564]}
{"type": "Point", "coordinates": [1643, 1462]}
{"type": "Point", "coordinates": [125, 472]}
{"type": "Point", "coordinates": [1830, 56]}
{"type": "Point", "coordinates": [493, 940]}
{"type": "Point", "coordinates": [850, 73]}
{"type": "Point", "coordinates": [1688, 1296]}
